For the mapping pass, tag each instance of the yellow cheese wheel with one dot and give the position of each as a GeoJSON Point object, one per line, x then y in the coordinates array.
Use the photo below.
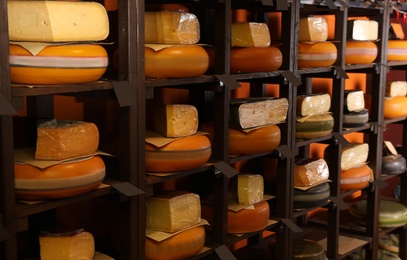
{"type": "Point", "coordinates": [176, 61]}
{"type": "Point", "coordinates": [396, 50]}
{"type": "Point", "coordinates": [58, 64]}
{"type": "Point", "coordinates": [320, 54]}
{"type": "Point", "coordinates": [395, 107]}
{"type": "Point", "coordinates": [180, 246]}
{"type": "Point", "coordinates": [242, 221]}
{"type": "Point", "coordinates": [182, 154]}
{"type": "Point", "coordinates": [355, 178]}
{"type": "Point", "coordinates": [360, 52]}
{"type": "Point", "coordinates": [62, 180]}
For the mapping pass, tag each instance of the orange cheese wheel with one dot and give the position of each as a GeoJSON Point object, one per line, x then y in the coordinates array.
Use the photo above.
{"type": "Point", "coordinates": [180, 246]}
{"type": "Point", "coordinates": [395, 107]}
{"type": "Point", "coordinates": [182, 154]}
{"type": "Point", "coordinates": [358, 52]}
{"type": "Point", "coordinates": [320, 54]}
{"type": "Point", "coordinates": [242, 221]}
{"type": "Point", "coordinates": [396, 50]}
{"type": "Point", "coordinates": [62, 180]}
{"type": "Point", "coordinates": [176, 61]}
{"type": "Point", "coordinates": [58, 64]}
{"type": "Point", "coordinates": [355, 178]}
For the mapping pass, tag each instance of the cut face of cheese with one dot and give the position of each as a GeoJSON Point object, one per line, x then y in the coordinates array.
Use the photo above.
{"type": "Point", "coordinates": [67, 246]}
{"type": "Point", "coordinates": [57, 21]}
{"type": "Point", "coordinates": [308, 171]}
{"type": "Point", "coordinates": [354, 100]}
{"type": "Point", "coordinates": [396, 88]}
{"type": "Point", "coordinates": [313, 29]}
{"type": "Point", "coordinates": [175, 120]}
{"type": "Point", "coordinates": [250, 188]}
{"type": "Point", "coordinates": [250, 34]}
{"type": "Point", "coordinates": [312, 104]}
{"type": "Point", "coordinates": [363, 30]}
{"type": "Point", "coordinates": [253, 112]}
{"type": "Point", "coordinates": [63, 139]}
{"type": "Point", "coordinates": [172, 211]}
{"type": "Point", "coordinates": [171, 27]}
{"type": "Point", "coordinates": [354, 155]}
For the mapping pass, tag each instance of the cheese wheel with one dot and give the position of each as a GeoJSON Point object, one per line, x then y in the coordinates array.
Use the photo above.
{"type": "Point", "coordinates": [58, 64]}
{"type": "Point", "coordinates": [397, 50]}
{"type": "Point", "coordinates": [362, 52]}
{"type": "Point", "coordinates": [314, 126]}
{"type": "Point", "coordinates": [62, 180]}
{"type": "Point", "coordinates": [395, 107]}
{"type": "Point", "coordinates": [182, 154]}
{"type": "Point", "coordinates": [356, 178]}
{"type": "Point", "coordinates": [176, 61]}
{"type": "Point", "coordinates": [304, 249]}
{"type": "Point", "coordinates": [320, 54]}
{"type": "Point", "coordinates": [243, 221]}
{"type": "Point", "coordinates": [315, 196]}
{"type": "Point", "coordinates": [355, 119]}
{"type": "Point", "coordinates": [393, 164]}
{"type": "Point", "coordinates": [180, 246]}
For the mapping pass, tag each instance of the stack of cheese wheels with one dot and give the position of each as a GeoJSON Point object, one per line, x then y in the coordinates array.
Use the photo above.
{"type": "Point", "coordinates": [70, 146]}
{"type": "Point", "coordinates": [60, 46]}
{"type": "Point", "coordinates": [354, 112]}
{"type": "Point", "coordinates": [178, 214]}
{"type": "Point", "coordinates": [171, 49]}
{"type": "Point", "coordinates": [313, 117]}
{"type": "Point", "coordinates": [360, 44]}
{"type": "Point", "coordinates": [313, 48]}
{"type": "Point", "coordinates": [174, 144]}
{"type": "Point", "coordinates": [395, 101]}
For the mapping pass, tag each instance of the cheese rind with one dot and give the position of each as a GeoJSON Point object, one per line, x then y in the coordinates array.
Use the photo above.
{"type": "Point", "coordinates": [175, 120]}
{"type": "Point", "coordinates": [172, 211]}
{"type": "Point", "coordinates": [397, 50]}
{"type": "Point", "coordinates": [308, 171]}
{"type": "Point", "coordinates": [311, 104]}
{"type": "Point", "coordinates": [395, 107]}
{"type": "Point", "coordinates": [396, 88]}
{"type": "Point", "coordinates": [363, 30]}
{"type": "Point", "coordinates": [319, 54]}
{"type": "Point", "coordinates": [314, 126]}
{"type": "Point", "coordinates": [250, 188]}
{"type": "Point", "coordinates": [313, 197]}
{"type": "Point", "coordinates": [250, 34]}
{"type": "Point", "coordinates": [57, 21]}
{"type": "Point", "coordinates": [360, 52]}
{"type": "Point", "coordinates": [356, 178]}
{"type": "Point", "coordinates": [313, 29]}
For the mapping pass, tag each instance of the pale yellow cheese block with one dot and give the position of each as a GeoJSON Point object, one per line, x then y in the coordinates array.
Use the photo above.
{"type": "Point", "coordinates": [363, 30]}
{"type": "Point", "coordinates": [355, 100]}
{"type": "Point", "coordinates": [354, 155]}
{"type": "Point", "coordinates": [396, 89]}
{"type": "Point", "coordinates": [313, 29]}
{"type": "Point", "coordinates": [57, 21]}
{"type": "Point", "coordinates": [175, 120]}
{"type": "Point", "coordinates": [250, 188]}
{"type": "Point", "coordinates": [250, 34]}
{"type": "Point", "coordinates": [312, 104]}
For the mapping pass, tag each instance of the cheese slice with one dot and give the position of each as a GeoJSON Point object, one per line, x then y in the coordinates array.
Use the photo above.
{"type": "Point", "coordinates": [175, 120]}
{"type": "Point", "coordinates": [363, 30]}
{"type": "Point", "coordinates": [309, 171]}
{"type": "Point", "coordinates": [354, 100]}
{"type": "Point", "coordinates": [311, 104]}
{"type": "Point", "coordinates": [172, 211]}
{"type": "Point", "coordinates": [396, 88]}
{"type": "Point", "coordinates": [63, 139]}
{"type": "Point", "coordinates": [171, 27]}
{"type": "Point", "coordinates": [250, 34]}
{"type": "Point", "coordinates": [250, 188]}
{"type": "Point", "coordinates": [57, 21]}
{"type": "Point", "coordinates": [354, 155]}
{"type": "Point", "coordinates": [313, 29]}
{"type": "Point", "coordinates": [78, 245]}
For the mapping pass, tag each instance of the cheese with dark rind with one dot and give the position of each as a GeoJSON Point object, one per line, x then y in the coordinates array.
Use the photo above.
{"type": "Point", "coordinates": [182, 154]}
{"type": "Point", "coordinates": [355, 119]}
{"type": "Point", "coordinates": [314, 126]}
{"type": "Point", "coordinates": [311, 104]}
{"type": "Point", "coordinates": [304, 249]}
{"type": "Point", "coordinates": [397, 50]}
{"type": "Point", "coordinates": [309, 171]}
{"type": "Point", "coordinates": [354, 100]}
{"type": "Point", "coordinates": [393, 164]}
{"type": "Point", "coordinates": [254, 112]}
{"type": "Point", "coordinates": [175, 120]}
{"type": "Point", "coordinates": [315, 196]}
{"type": "Point", "coordinates": [395, 107]}
{"type": "Point", "coordinates": [313, 29]}
{"type": "Point", "coordinates": [249, 34]}
{"type": "Point", "coordinates": [363, 52]}
{"type": "Point", "coordinates": [170, 62]}
{"type": "Point", "coordinates": [363, 30]}
{"type": "Point", "coordinates": [356, 178]}
{"type": "Point", "coordinates": [313, 55]}
{"type": "Point", "coordinates": [58, 64]}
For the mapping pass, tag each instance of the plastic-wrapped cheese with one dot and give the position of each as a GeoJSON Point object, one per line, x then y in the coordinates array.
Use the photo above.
{"type": "Point", "coordinates": [172, 211]}
{"type": "Point", "coordinates": [360, 52]}
{"type": "Point", "coordinates": [57, 21]}
{"type": "Point", "coordinates": [249, 34]}
{"type": "Point", "coordinates": [363, 30]}
{"type": "Point", "coordinates": [396, 50]}
{"type": "Point", "coordinates": [175, 120]}
{"type": "Point", "coordinates": [355, 178]}
{"type": "Point", "coordinates": [354, 155]}
{"type": "Point", "coordinates": [314, 126]}
{"type": "Point", "coordinates": [396, 88]}
{"type": "Point", "coordinates": [314, 55]}
{"type": "Point", "coordinates": [395, 107]}
{"type": "Point", "coordinates": [354, 100]}
{"type": "Point", "coordinates": [315, 196]}
{"type": "Point", "coordinates": [312, 104]}
{"type": "Point", "coordinates": [171, 27]}
{"type": "Point", "coordinates": [250, 188]}
{"type": "Point", "coordinates": [313, 29]}
{"type": "Point", "coordinates": [309, 171]}
{"type": "Point", "coordinates": [253, 112]}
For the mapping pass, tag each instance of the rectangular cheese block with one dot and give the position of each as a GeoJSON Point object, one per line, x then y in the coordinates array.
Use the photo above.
{"type": "Point", "coordinates": [396, 89]}
{"type": "Point", "coordinates": [67, 247]}
{"type": "Point", "coordinates": [354, 100]}
{"type": "Point", "coordinates": [57, 21]}
{"type": "Point", "coordinates": [311, 104]}
{"type": "Point", "coordinates": [63, 139]}
{"type": "Point", "coordinates": [363, 30]}
{"type": "Point", "coordinates": [175, 120]}
{"type": "Point", "coordinates": [250, 188]}
{"type": "Point", "coordinates": [309, 171]}
{"type": "Point", "coordinates": [313, 29]}
{"type": "Point", "coordinates": [250, 34]}
{"type": "Point", "coordinates": [172, 211]}
{"type": "Point", "coordinates": [171, 27]}
{"type": "Point", "coordinates": [354, 155]}
{"type": "Point", "coordinates": [253, 112]}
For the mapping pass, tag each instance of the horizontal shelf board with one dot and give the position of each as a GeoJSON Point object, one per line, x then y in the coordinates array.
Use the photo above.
{"type": "Point", "coordinates": [394, 120]}
{"type": "Point", "coordinates": [157, 82]}
{"type": "Point", "coordinates": [316, 70]}
{"type": "Point", "coordinates": [352, 67]}
{"type": "Point", "coordinates": [154, 178]}
{"type": "Point", "coordinates": [357, 129]}
{"type": "Point", "coordinates": [240, 158]}
{"type": "Point", "coordinates": [303, 142]}
{"type": "Point", "coordinates": [395, 64]}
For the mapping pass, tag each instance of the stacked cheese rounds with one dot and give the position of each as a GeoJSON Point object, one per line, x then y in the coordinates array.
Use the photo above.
{"type": "Point", "coordinates": [174, 225]}
{"type": "Point", "coordinates": [313, 48]}
{"type": "Point", "coordinates": [395, 102]}
{"type": "Point", "coordinates": [360, 44]}
{"type": "Point", "coordinates": [313, 117]}
{"type": "Point", "coordinates": [174, 144]}
{"type": "Point", "coordinates": [354, 112]}
{"type": "Point", "coordinates": [171, 49]}
{"type": "Point", "coordinates": [60, 46]}
{"type": "Point", "coordinates": [72, 168]}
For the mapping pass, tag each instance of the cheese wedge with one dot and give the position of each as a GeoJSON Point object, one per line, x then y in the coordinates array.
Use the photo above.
{"type": "Point", "coordinates": [313, 29]}
{"type": "Point", "coordinates": [250, 188]}
{"type": "Point", "coordinates": [175, 120]}
{"type": "Point", "coordinates": [250, 34]}
{"type": "Point", "coordinates": [363, 30]}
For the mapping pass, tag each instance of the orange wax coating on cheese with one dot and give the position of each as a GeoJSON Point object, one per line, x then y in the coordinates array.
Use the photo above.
{"type": "Point", "coordinates": [320, 54]}
{"type": "Point", "coordinates": [176, 61]}
{"type": "Point", "coordinates": [395, 107]}
{"type": "Point", "coordinates": [355, 178]}
{"type": "Point", "coordinates": [360, 52]}
{"type": "Point", "coordinates": [396, 50]}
